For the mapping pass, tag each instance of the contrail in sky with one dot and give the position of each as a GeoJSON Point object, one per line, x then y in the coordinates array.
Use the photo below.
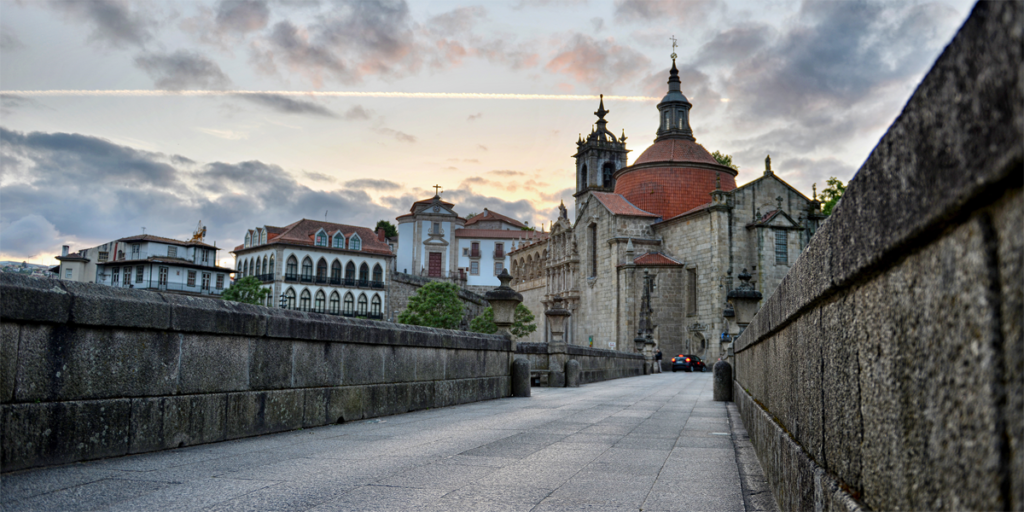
{"type": "Point", "coordinates": [339, 94]}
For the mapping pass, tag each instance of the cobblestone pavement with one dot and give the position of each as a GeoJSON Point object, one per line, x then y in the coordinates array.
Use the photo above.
{"type": "Point", "coordinates": [644, 443]}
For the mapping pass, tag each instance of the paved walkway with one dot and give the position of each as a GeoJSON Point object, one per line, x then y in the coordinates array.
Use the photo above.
{"type": "Point", "coordinates": [645, 443]}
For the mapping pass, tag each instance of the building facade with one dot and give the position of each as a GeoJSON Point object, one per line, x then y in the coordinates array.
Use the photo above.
{"type": "Point", "coordinates": [149, 262]}
{"type": "Point", "coordinates": [676, 214]}
{"type": "Point", "coordinates": [320, 266]}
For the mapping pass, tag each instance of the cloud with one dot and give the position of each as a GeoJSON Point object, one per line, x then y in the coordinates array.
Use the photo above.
{"type": "Point", "coordinates": [481, 147]}
{"type": "Point", "coordinates": [735, 44]}
{"type": "Point", "coordinates": [598, 24]}
{"type": "Point", "coordinates": [372, 184]}
{"type": "Point", "coordinates": [507, 173]}
{"type": "Point", "coordinates": [316, 176]}
{"type": "Point", "coordinates": [690, 11]}
{"type": "Point", "coordinates": [399, 136]}
{"type": "Point", "coordinates": [9, 103]}
{"type": "Point", "coordinates": [242, 15]}
{"type": "Point", "coordinates": [9, 40]}
{"type": "Point", "coordinates": [599, 64]}
{"type": "Point", "coordinates": [287, 105]}
{"type": "Point", "coordinates": [357, 113]}
{"type": "Point", "coordinates": [182, 69]}
{"type": "Point", "coordinates": [224, 134]}
{"type": "Point", "coordinates": [113, 21]}
{"type": "Point", "coordinates": [82, 188]}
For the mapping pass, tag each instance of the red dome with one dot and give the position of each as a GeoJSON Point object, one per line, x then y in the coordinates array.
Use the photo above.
{"type": "Point", "coordinates": [672, 177]}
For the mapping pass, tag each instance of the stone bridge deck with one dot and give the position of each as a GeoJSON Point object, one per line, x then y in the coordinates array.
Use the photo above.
{"type": "Point", "coordinates": [648, 443]}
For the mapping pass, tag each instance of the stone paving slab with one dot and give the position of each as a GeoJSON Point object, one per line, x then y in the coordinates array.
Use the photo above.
{"type": "Point", "coordinates": [653, 443]}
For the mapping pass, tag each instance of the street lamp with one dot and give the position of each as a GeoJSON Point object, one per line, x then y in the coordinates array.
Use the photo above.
{"type": "Point", "coordinates": [284, 301]}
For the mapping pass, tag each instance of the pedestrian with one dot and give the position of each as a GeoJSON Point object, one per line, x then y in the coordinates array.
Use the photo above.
{"type": "Point", "coordinates": [657, 362]}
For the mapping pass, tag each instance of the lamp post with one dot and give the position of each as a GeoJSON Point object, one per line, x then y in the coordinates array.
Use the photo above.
{"type": "Point", "coordinates": [284, 301]}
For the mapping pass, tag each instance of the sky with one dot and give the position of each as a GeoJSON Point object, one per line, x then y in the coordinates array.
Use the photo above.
{"type": "Point", "coordinates": [118, 117]}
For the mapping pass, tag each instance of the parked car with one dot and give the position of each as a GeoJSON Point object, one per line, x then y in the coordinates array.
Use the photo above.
{"type": "Point", "coordinates": [688, 363]}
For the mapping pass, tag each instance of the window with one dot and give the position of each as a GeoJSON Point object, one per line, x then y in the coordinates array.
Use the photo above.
{"type": "Point", "coordinates": [583, 176]}
{"type": "Point", "coordinates": [292, 269]}
{"type": "Point", "coordinates": [307, 270]}
{"type": "Point", "coordinates": [321, 271]}
{"type": "Point", "coordinates": [206, 256]}
{"type": "Point", "coordinates": [499, 250]}
{"type": "Point", "coordinates": [339, 241]}
{"type": "Point", "coordinates": [355, 243]}
{"type": "Point", "coordinates": [321, 239]}
{"type": "Point", "coordinates": [139, 270]}
{"type": "Point", "coordinates": [364, 275]}
{"type": "Point", "coordinates": [781, 247]}
{"type": "Point", "coordinates": [378, 274]}
{"type": "Point", "coordinates": [437, 228]}
{"type": "Point", "coordinates": [289, 297]}
{"type": "Point", "coordinates": [498, 267]}
{"type": "Point", "coordinates": [245, 268]}
{"type": "Point", "coordinates": [304, 300]}
{"type": "Point", "coordinates": [375, 306]}
{"type": "Point", "coordinates": [465, 251]}
{"type": "Point", "coordinates": [206, 281]}
{"type": "Point", "coordinates": [362, 306]}
{"type": "Point", "coordinates": [593, 250]}
{"type": "Point", "coordinates": [691, 291]}
{"type": "Point", "coordinates": [349, 304]}
{"type": "Point", "coordinates": [336, 272]}
{"type": "Point", "coordinates": [103, 256]}
{"type": "Point", "coordinates": [191, 278]}
{"type": "Point", "coordinates": [320, 299]}
{"type": "Point", "coordinates": [474, 251]}
{"type": "Point", "coordinates": [162, 280]}
{"type": "Point", "coordinates": [264, 265]}
{"type": "Point", "coordinates": [135, 251]}
{"type": "Point", "coordinates": [474, 268]}
{"type": "Point", "coordinates": [248, 240]}
{"type": "Point", "coordinates": [67, 274]}
{"type": "Point", "coordinates": [172, 252]}
{"type": "Point", "coordinates": [114, 275]}
{"type": "Point", "coordinates": [263, 238]}
{"type": "Point", "coordinates": [271, 269]}
{"type": "Point", "coordinates": [606, 173]}
{"type": "Point", "coordinates": [335, 304]}
{"type": "Point", "coordinates": [350, 273]}
{"type": "Point", "coordinates": [220, 281]}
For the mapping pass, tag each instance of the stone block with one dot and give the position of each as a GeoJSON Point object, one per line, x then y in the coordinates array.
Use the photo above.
{"type": "Point", "coordinates": [840, 391]}
{"type": "Point", "coordinates": [520, 377]}
{"type": "Point", "coordinates": [315, 407]}
{"type": "Point", "coordinates": [262, 412]}
{"type": "Point", "coordinates": [807, 342]}
{"type": "Point", "coordinates": [201, 314]}
{"type": "Point", "coordinates": [61, 362]}
{"type": "Point", "coordinates": [465, 364]}
{"type": "Point", "coordinates": [722, 391]}
{"type": "Point", "coordinates": [430, 363]}
{"type": "Point", "coordinates": [421, 396]}
{"type": "Point", "coordinates": [556, 379]}
{"type": "Point", "coordinates": [1008, 220]}
{"type": "Point", "coordinates": [943, 333]}
{"type": "Point", "coordinates": [43, 434]}
{"type": "Point", "coordinates": [317, 364]}
{"type": "Point", "coordinates": [174, 421]}
{"type": "Point", "coordinates": [211, 364]}
{"type": "Point", "coordinates": [345, 404]}
{"type": "Point", "coordinates": [386, 399]}
{"type": "Point", "coordinates": [364, 364]}
{"type": "Point", "coordinates": [108, 306]}
{"type": "Point", "coordinates": [270, 363]}
{"type": "Point", "coordinates": [9, 333]}
{"type": "Point", "coordinates": [33, 300]}
{"type": "Point", "coordinates": [572, 374]}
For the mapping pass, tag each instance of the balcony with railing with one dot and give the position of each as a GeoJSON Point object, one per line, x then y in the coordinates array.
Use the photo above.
{"type": "Point", "coordinates": [321, 279]}
{"type": "Point", "coordinates": [307, 278]}
{"type": "Point", "coordinates": [291, 277]}
{"type": "Point", "coordinates": [266, 278]}
{"type": "Point", "coordinates": [377, 284]}
{"type": "Point", "coordinates": [336, 281]}
{"type": "Point", "coordinates": [499, 254]}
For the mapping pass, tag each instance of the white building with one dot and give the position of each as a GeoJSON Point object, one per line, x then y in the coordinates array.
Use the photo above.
{"type": "Point", "coordinates": [149, 262]}
{"type": "Point", "coordinates": [434, 241]}
{"type": "Point", "coordinates": [319, 266]}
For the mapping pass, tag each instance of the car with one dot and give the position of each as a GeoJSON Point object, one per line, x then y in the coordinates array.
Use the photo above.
{"type": "Point", "coordinates": [688, 363]}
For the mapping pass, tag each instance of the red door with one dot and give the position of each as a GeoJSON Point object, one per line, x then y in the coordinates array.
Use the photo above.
{"type": "Point", "coordinates": [434, 268]}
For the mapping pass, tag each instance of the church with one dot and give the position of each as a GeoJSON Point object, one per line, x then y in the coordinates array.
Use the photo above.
{"type": "Point", "coordinates": [675, 214]}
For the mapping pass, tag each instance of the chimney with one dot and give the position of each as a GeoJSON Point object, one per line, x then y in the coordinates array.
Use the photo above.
{"type": "Point", "coordinates": [381, 236]}
{"type": "Point", "coordinates": [64, 250]}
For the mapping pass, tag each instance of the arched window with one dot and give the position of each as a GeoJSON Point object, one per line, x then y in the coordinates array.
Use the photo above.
{"type": "Point", "coordinates": [339, 241]}
{"type": "Point", "coordinates": [375, 306]}
{"type": "Point", "coordinates": [263, 237]}
{"type": "Point", "coordinates": [335, 304]}
{"type": "Point", "coordinates": [290, 298]}
{"type": "Point", "coordinates": [355, 243]}
{"type": "Point", "coordinates": [264, 265]}
{"type": "Point", "coordinates": [248, 240]}
{"type": "Point", "coordinates": [253, 268]}
{"type": "Point", "coordinates": [583, 176]}
{"type": "Point", "coordinates": [321, 239]}
{"type": "Point", "coordinates": [350, 274]}
{"type": "Point", "coordinates": [320, 299]}
{"type": "Point", "coordinates": [350, 304]}
{"type": "Point", "coordinates": [606, 172]}
{"type": "Point", "coordinates": [245, 268]}
{"type": "Point", "coordinates": [362, 305]}
{"type": "Point", "coordinates": [364, 275]}
{"type": "Point", "coordinates": [292, 270]}
{"type": "Point", "coordinates": [336, 272]}
{"type": "Point", "coordinates": [271, 271]}
{"type": "Point", "coordinates": [304, 300]}
{"type": "Point", "coordinates": [307, 269]}
{"type": "Point", "coordinates": [321, 271]}
{"type": "Point", "coordinates": [378, 275]}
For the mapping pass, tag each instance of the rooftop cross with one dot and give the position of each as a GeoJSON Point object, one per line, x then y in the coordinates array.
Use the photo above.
{"type": "Point", "coordinates": [437, 189]}
{"type": "Point", "coordinates": [674, 45]}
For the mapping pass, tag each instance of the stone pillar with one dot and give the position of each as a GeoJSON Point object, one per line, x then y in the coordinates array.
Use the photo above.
{"type": "Point", "coordinates": [503, 301]}
{"type": "Point", "coordinates": [572, 374]}
{"type": "Point", "coordinates": [521, 377]}
{"type": "Point", "coordinates": [723, 382]}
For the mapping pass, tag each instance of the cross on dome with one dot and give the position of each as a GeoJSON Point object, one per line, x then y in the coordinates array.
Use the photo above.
{"type": "Point", "coordinates": [437, 190]}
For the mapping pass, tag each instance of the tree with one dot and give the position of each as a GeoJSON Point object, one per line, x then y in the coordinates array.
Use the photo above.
{"type": "Point", "coordinates": [522, 322]}
{"type": "Point", "coordinates": [247, 290]}
{"type": "Point", "coordinates": [724, 159]}
{"type": "Point", "coordinates": [831, 195]}
{"type": "Point", "coordinates": [436, 304]}
{"type": "Point", "coordinates": [389, 228]}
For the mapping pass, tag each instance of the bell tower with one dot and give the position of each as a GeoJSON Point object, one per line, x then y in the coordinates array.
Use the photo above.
{"type": "Point", "coordinates": [597, 158]}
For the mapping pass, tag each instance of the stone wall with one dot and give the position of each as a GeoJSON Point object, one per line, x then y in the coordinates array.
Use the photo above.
{"type": "Point", "coordinates": [403, 286]}
{"type": "Point", "coordinates": [547, 363]}
{"type": "Point", "coordinates": [887, 370]}
{"type": "Point", "coordinates": [90, 371]}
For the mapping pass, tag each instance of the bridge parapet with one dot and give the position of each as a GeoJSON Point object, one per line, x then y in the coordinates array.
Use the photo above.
{"type": "Point", "coordinates": [887, 370]}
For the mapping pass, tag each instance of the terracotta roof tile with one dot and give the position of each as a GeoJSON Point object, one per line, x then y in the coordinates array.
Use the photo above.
{"type": "Point", "coordinates": [509, 234]}
{"type": "Point", "coordinates": [675, 150]}
{"type": "Point", "coordinates": [152, 238]}
{"type": "Point", "coordinates": [656, 259]}
{"type": "Point", "coordinates": [303, 231]}
{"type": "Point", "coordinates": [619, 205]}
{"type": "Point", "coordinates": [494, 216]}
{"type": "Point", "coordinates": [671, 190]}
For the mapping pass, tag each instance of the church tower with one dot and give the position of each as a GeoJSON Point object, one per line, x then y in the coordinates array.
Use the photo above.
{"type": "Point", "coordinates": [598, 158]}
{"type": "Point", "coordinates": [675, 111]}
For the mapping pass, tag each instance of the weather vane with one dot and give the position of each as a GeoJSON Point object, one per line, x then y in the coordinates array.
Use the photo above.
{"type": "Point", "coordinates": [674, 45]}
